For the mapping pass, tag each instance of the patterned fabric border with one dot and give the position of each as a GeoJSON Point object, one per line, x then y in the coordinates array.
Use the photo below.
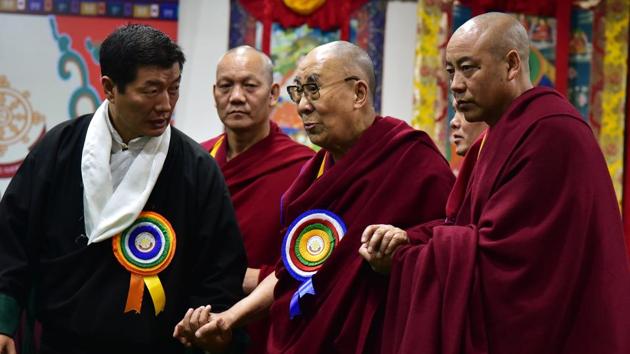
{"type": "Point", "coordinates": [156, 9]}
{"type": "Point", "coordinates": [430, 84]}
{"type": "Point", "coordinates": [611, 138]}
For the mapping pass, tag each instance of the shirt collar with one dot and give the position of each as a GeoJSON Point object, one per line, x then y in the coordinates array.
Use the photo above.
{"type": "Point", "coordinates": [117, 142]}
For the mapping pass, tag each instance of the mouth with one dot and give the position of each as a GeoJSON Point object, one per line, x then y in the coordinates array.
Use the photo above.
{"type": "Point", "coordinates": [309, 126]}
{"type": "Point", "coordinates": [238, 112]}
{"type": "Point", "coordinates": [462, 105]}
{"type": "Point", "coordinates": [159, 123]}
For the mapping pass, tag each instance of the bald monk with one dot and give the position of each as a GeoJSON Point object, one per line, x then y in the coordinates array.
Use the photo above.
{"type": "Point", "coordinates": [323, 298]}
{"type": "Point", "coordinates": [535, 260]}
{"type": "Point", "coordinates": [258, 160]}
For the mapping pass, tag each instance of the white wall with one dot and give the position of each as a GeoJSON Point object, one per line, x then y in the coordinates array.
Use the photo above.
{"type": "Point", "coordinates": [203, 28]}
{"type": "Point", "coordinates": [400, 48]}
{"type": "Point", "coordinates": [203, 35]}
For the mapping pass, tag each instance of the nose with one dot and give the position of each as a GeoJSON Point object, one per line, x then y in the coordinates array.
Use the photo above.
{"type": "Point", "coordinates": [237, 95]}
{"type": "Point", "coordinates": [164, 103]}
{"type": "Point", "coordinates": [304, 106]}
{"type": "Point", "coordinates": [458, 84]}
{"type": "Point", "coordinates": [455, 123]}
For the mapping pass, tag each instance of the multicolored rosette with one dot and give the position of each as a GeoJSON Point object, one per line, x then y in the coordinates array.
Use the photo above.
{"type": "Point", "coordinates": [308, 243]}
{"type": "Point", "coordinates": [145, 249]}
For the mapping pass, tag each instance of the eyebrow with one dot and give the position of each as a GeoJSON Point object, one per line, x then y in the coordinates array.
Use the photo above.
{"type": "Point", "coordinates": [463, 59]}
{"type": "Point", "coordinates": [313, 78]}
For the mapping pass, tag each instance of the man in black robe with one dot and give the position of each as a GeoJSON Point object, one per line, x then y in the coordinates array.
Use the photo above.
{"type": "Point", "coordinates": [117, 223]}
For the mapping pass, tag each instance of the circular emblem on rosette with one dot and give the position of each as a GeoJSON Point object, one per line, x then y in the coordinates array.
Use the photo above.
{"type": "Point", "coordinates": [309, 241]}
{"type": "Point", "coordinates": [147, 246]}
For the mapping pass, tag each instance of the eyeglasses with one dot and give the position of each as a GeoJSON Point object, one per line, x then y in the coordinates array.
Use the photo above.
{"type": "Point", "coordinates": [311, 89]}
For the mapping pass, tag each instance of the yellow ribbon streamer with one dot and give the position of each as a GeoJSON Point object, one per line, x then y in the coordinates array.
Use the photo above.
{"type": "Point", "coordinates": [157, 292]}
{"type": "Point", "coordinates": [136, 291]}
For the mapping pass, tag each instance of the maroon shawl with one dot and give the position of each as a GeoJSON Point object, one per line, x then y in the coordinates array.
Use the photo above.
{"type": "Point", "coordinates": [380, 180]}
{"type": "Point", "coordinates": [536, 261]}
{"type": "Point", "coordinates": [257, 178]}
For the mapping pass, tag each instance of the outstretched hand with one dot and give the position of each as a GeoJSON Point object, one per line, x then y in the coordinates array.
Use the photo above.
{"type": "Point", "coordinates": [378, 244]}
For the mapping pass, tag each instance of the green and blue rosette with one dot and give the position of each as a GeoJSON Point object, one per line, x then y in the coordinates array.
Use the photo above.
{"type": "Point", "coordinates": [308, 243]}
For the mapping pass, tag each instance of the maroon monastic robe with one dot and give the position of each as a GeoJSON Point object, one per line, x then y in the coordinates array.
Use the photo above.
{"type": "Point", "coordinates": [535, 262]}
{"type": "Point", "coordinates": [257, 178]}
{"type": "Point", "coordinates": [379, 180]}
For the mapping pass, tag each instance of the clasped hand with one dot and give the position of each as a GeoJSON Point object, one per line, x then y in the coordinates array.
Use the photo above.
{"type": "Point", "coordinates": [378, 244]}
{"type": "Point", "coordinates": [204, 329]}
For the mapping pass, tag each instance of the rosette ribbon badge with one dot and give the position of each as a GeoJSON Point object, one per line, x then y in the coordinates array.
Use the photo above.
{"type": "Point", "coordinates": [308, 243]}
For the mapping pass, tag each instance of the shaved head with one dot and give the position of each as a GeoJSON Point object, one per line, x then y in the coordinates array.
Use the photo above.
{"type": "Point", "coordinates": [248, 52]}
{"type": "Point", "coordinates": [500, 32]}
{"type": "Point", "coordinates": [351, 58]}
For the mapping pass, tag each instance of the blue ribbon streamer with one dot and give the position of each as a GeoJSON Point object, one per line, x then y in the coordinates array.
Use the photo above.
{"type": "Point", "coordinates": [294, 306]}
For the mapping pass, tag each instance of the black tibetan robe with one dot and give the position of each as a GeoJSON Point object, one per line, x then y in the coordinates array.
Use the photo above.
{"type": "Point", "coordinates": [78, 292]}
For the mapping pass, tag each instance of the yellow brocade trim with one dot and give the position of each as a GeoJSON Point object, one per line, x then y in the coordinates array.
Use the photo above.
{"type": "Point", "coordinates": [611, 137]}
{"type": "Point", "coordinates": [304, 7]}
{"type": "Point", "coordinates": [483, 142]}
{"type": "Point", "coordinates": [429, 98]}
{"type": "Point", "coordinates": [322, 166]}
{"type": "Point", "coordinates": [157, 292]}
{"type": "Point", "coordinates": [216, 146]}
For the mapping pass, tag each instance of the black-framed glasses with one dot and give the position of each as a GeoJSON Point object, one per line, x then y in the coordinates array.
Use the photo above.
{"type": "Point", "coordinates": [311, 89]}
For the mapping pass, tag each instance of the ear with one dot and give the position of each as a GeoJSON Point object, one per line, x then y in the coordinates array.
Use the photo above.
{"type": "Point", "coordinates": [108, 88]}
{"type": "Point", "coordinates": [361, 94]}
{"type": "Point", "coordinates": [214, 93]}
{"type": "Point", "coordinates": [274, 93]}
{"type": "Point", "coordinates": [513, 60]}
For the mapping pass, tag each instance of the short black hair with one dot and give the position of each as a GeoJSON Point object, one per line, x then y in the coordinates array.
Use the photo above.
{"type": "Point", "coordinates": [133, 46]}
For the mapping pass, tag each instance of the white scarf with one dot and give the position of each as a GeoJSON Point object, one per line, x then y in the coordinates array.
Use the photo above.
{"type": "Point", "coordinates": [108, 212]}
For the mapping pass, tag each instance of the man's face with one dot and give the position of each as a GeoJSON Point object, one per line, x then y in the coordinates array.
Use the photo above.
{"type": "Point", "coordinates": [326, 119]}
{"type": "Point", "coordinates": [146, 106]}
{"type": "Point", "coordinates": [477, 78]}
{"type": "Point", "coordinates": [244, 94]}
{"type": "Point", "coordinates": [463, 133]}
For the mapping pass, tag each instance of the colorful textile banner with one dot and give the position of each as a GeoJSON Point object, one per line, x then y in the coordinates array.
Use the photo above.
{"type": "Point", "coordinates": [611, 136]}
{"type": "Point", "coordinates": [50, 73]}
{"type": "Point", "coordinates": [367, 26]}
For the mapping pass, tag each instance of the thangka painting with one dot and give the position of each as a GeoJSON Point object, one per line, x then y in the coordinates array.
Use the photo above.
{"type": "Point", "coordinates": [288, 45]}
{"type": "Point", "coordinates": [50, 67]}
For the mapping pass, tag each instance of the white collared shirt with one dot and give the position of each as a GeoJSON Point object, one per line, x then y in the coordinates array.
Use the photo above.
{"type": "Point", "coordinates": [122, 155]}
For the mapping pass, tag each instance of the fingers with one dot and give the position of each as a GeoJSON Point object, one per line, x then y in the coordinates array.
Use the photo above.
{"type": "Point", "coordinates": [204, 316]}
{"type": "Point", "coordinates": [363, 251]}
{"type": "Point", "coordinates": [185, 322]}
{"type": "Point", "coordinates": [367, 233]}
{"type": "Point", "coordinates": [399, 238]}
{"type": "Point", "coordinates": [207, 329]}
{"type": "Point", "coordinates": [375, 241]}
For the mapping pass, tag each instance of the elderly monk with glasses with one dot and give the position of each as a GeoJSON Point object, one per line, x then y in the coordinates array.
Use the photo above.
{"type": "Point", "coordinates": [323, 297]}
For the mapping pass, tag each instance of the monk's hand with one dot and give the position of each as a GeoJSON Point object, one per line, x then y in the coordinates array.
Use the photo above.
{"type": "Point", "coordinates": [378, 244]}
{"type": "Point", "coordinates": [192, 321]}
{"type": "Point", "coordinates": [216, 335]}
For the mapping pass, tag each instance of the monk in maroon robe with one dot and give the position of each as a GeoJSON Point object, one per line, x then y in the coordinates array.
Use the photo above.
{"type": "Point", "coordinates": [370, 169]}
{"type": "Point", "coordinates": [259, 163]}
{"type": "Point", "coordinates": [535, 261]}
